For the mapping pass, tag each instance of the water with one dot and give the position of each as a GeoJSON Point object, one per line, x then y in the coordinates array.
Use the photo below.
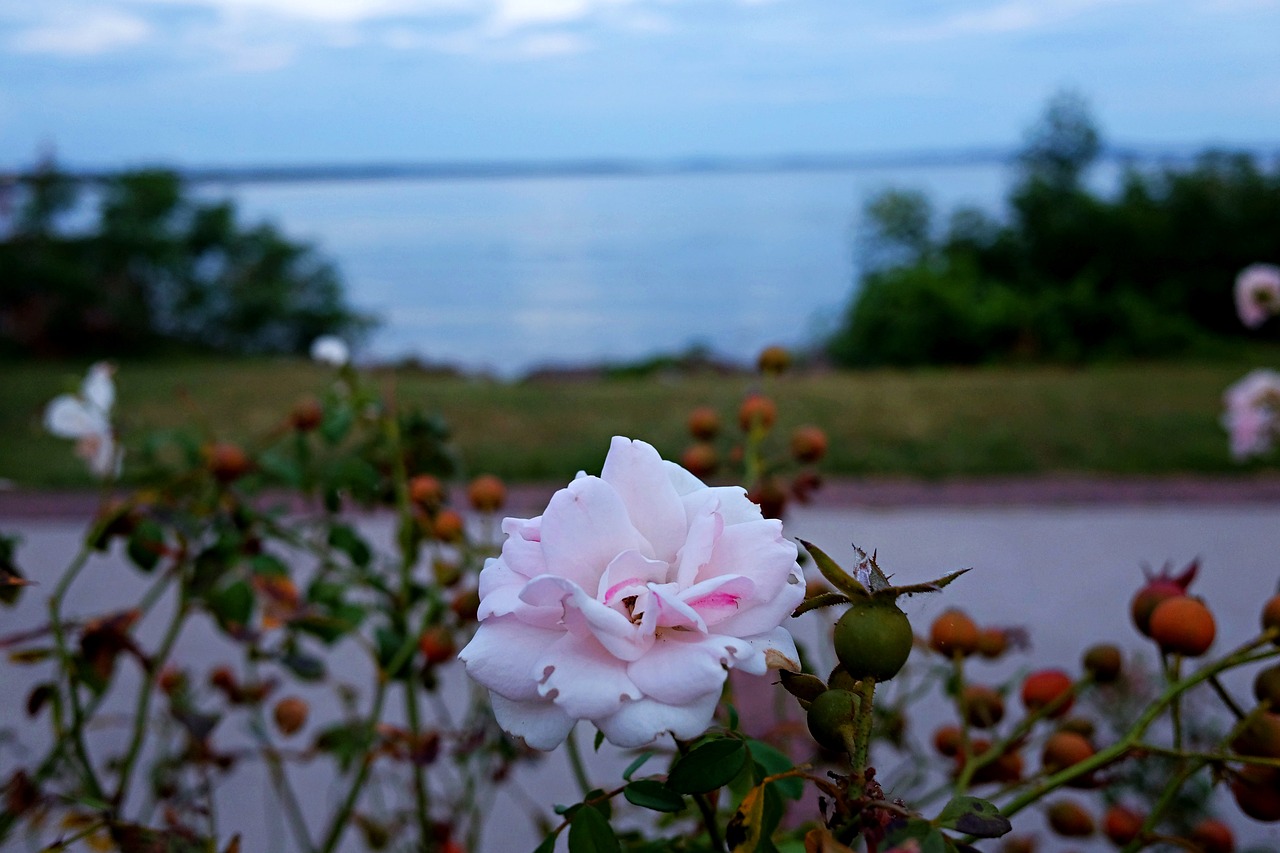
{"type": "Point", "coordinates": [507, 274]}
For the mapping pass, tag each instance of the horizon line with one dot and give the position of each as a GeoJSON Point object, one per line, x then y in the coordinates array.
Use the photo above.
{"type": "Point", "coordinates": [587, 167]}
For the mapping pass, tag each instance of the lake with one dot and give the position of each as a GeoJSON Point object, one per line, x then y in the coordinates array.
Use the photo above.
{"type": "Point", "coordinates": [504, 274]}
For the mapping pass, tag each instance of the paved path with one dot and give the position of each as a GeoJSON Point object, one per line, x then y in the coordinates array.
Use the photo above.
{"type": "Point", "coordinates": [1046, 555]}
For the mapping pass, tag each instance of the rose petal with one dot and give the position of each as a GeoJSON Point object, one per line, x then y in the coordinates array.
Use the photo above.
{"type": "Point", "coordinates": [639, 723]}
{"type": "Point", "coordinates": [757, 550]}
{"type": "Point", "coordinates": [635, 470]}
{"type": "Point", "coordinates": [541, 724]}
{"type": "Point", "coordinates": [765, 615]}
{"type": "Point", "coordinates": [585, 526]}
{"type": "Point", "coordinates": [584, 680]}
{"type": "Point", "coordinates": [503, 653]}
{"type": "Point", "coordinates": [629, 569]}
{"type": "Point", "coordinates": [705, 528]}
{"type": "Point", "coordinates": [500, 590]}
{"type": "Point", "coordinates": [584, 615]}
{"type": "Point", "coordinates": [773, 650]}
{"type": "Point", "coordinates": [522, 550]}
{"type": "Point", "coordinates": [717, 599]}
{"type": "Point", "coordinates": [676, 671]}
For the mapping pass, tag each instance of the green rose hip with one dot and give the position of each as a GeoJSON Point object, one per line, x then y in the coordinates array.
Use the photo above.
{"type": "Point", "coordinates": [873, 639]}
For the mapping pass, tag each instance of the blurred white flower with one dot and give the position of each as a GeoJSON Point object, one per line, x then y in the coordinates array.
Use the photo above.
{"type": "Point", "coordinates": [86, 417]}
{"type": "Point", "coordinates": [1257, 293]}
{"type": "Point", "coordinates": [330, 349]}
{"type": "Point", "coordinates": [1252, 406]}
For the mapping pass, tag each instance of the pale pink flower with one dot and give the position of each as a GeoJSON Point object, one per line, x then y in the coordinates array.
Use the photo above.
{"type": "Point", "coordinates": [1257, 294]}
{"type": "Point", "coordinates": [1252, 406]}
{"type": "Point", "coordinates": [627, 601]}
{"type": "Point", "coordinates": [86, 417]}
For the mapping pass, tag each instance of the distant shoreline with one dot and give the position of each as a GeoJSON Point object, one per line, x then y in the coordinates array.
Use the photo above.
{"type": "Point", "coordinates": [596, 167]}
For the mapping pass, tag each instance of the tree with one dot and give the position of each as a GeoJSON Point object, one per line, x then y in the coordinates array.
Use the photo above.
{"type": "Point", "coordinates": [159, 269]}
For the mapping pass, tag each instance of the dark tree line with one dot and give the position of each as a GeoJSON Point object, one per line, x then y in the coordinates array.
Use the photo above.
{"type": "Point", "coordinates": [136, 265]}
{"type": "Point", "coordinates": [1067, 275]}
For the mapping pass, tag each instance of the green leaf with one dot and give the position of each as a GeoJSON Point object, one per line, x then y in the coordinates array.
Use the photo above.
{"type": "Point", "coordinates": [974, 816]}
{"type": "Point", "coordinates": [825, 599]}
{"type": "Point", "coordinates": [929, 837]}
{"type": "Point", "coordinates": [269, 565]}
{"type": "Point", "coordinates": [773, 761]}
{"type": "Point", "coordinates": [707, 767]}
{"type": "Point", "coordinates": [602, 802]}
{"type": "Point", "coordinates": [336, 424]}
{"type": "Point", "coordinates": [636, 765]}
{"type": "Point", "coordinates": [306, 667]}
{"type": "Point", "coordinates": [346, 540]}
{"type": "Point", "coordinates": [347, 742]}
{"type": "Point", "coordinates": [146, 544]}
{"type": "Point", "coordinates": [232, 605]}
{"type": "Point", "coordinates": [548, 844]}
{"type": "Point", "coordinates": [599, 740]}
{"type": "Point", "coordinates": [589, 832]}
{"type": "Point", "coordinates": [389, 642]}
{"type": "Point", "coordinates": [209, 567]}
{"type": "Point", "coordinates": [654, 795]}
{"type": "Point", "coordinates": [831, 570]}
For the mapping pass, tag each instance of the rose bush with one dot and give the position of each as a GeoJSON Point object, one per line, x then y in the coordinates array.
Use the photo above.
{"type": "Point", "coordinates": [626, 602]}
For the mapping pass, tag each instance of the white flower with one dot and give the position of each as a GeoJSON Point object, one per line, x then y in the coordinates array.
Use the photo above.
{"type": "Point", "coordinates": [86, 417]}
{"type": "Point", "coordinates": [1252, 405]}
{"type": "Point", "coordinates": [1257, 294]}
{"type": "Point", "coordinates": [627, 601]}
{"type": "Point", "coordinates": [331, 350]}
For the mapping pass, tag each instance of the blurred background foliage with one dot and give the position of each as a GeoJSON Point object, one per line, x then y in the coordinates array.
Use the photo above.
{"type": "Point", "coordinates": [156, 270]}
{"type": "Point", "coordinates": [1070, 276]}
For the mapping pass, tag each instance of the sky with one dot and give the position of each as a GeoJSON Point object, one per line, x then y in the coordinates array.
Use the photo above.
{"type": "Point", "coordinates": [113, 83]}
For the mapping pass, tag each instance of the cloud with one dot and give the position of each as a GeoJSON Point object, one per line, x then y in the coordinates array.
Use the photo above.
{"type": "Point", "coordinates": [1013, 16]}
{"type": "Point", "coordinates": [81, 32]}
{"type": "Point", "coordinates": [328, 11]}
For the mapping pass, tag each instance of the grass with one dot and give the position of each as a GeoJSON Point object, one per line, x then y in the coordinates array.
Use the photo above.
{"type": "Point", "coordinates": [1160, 418]}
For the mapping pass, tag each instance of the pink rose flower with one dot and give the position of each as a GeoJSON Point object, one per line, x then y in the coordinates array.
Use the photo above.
{"type": "Point", "coordinates": [1250, 417]}
{"type": "Point", "coordinates": [1257, 293]}
{"type": "Point", "coordinates": [627, 601]}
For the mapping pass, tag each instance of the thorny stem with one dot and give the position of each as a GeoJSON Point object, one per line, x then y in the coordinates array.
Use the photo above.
{"type": "Point", "coordinates": [343, 814]}
{"type": "Point", "coordinates": [862, 726]}
{"type": "Point", "coordinates": [69, 667]}
{"type": "Point", "coordinates": [977, 762]}
{"type": "Point", "coordinates": [576, 765]}
{"type": "Point", "coordinates": [1226, 697]}
{"type": "Point", "coordinates": [280, 777]}
{"type": "Point", "coordinates": [1170, 791]}
{"type": "Point", "coordinates": [1243, 655]}
{"type": "Point", "coordinates": [1210, 757]}
{"type": "Point", "coordinates": [1173, 671]}
{"type": "Point", "coordinates": [143, 706]}
{"type": "Point", "coordinates": [408, 557]}
{"type": "Point", "coordinates": [50, 762]}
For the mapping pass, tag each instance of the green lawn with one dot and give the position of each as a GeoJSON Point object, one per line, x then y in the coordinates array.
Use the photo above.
{"type": "Point", "coordinates": [1133, 419]}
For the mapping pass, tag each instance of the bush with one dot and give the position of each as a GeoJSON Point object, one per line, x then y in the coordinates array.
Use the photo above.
{"type": "Point", "coordinates": [158, 269]}
{"type": "Point", "coordinates": [1071, 276]}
